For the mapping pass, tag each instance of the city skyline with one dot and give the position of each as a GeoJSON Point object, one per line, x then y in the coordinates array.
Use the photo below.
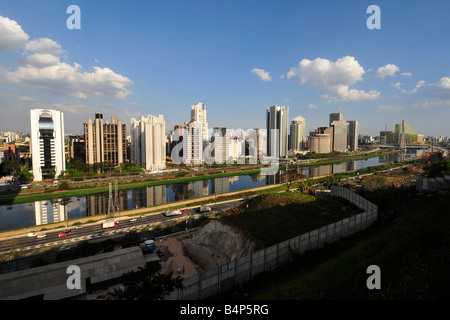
{"type": "Point", "coordinates": [236, 58]}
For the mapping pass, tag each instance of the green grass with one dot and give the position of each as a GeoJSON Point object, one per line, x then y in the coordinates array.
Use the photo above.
{"type": "Point", "coordinates": [411, 248]}
{"type": "Point", "coordinates": [272, 218]}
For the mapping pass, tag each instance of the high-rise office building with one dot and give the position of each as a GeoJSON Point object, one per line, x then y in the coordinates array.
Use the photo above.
{"type": "Point", "coordinates": [198, 114]}
{"type": "Point", "coordinates": [47, 143]}
{"type": "Point", "coordinates": [353, 128]}
{"type": "Point", "coordinates": [277, 124]}
{"type": "Point", "coordinates": [105, 142]}
{"type": "Point", "coordinates": [340, 136]}
{"type": "Point", "coordinates": [297, 137]}
{"type": "Point", "coordinates": [335, 117]}
{"type": "Point", "coordinates": [148, 142]}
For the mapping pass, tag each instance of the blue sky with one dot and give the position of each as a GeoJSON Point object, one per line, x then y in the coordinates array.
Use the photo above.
{"type": "Point", "coordinates": [133, 58]}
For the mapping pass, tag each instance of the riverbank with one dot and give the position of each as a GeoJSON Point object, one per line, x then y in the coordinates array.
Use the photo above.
{"type": "Point", "coordinates": [135, 182]}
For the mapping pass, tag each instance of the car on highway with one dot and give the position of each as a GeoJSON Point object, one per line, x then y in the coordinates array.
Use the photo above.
{"type": "Point", "coordinates": [64, 248]}
{"type": "Point", "coordinates": [31, 234]}
{"type": "Point", "coordinates": [204, 208]}
{"type": "Point", "coordinates": [42, 235]}
{"type": "Point", "coordinates": [78, 227]}
{"type": "Point", "coordinates": [63, 234]}
{"type": "Point", "coordinates": [172, 213]}
{"type": "Point", "coordinates": [132, 220]}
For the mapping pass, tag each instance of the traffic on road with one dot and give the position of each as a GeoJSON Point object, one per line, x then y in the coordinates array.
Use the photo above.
{"type": "Point", "coordinates": [63, 239]}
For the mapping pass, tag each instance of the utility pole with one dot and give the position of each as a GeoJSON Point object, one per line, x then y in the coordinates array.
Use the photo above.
{"type": "Point", "coordinates": [110, 203]}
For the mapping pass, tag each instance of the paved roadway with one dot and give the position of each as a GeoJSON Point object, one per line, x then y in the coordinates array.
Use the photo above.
{"type": "Point", "coordinates": [95, 231]}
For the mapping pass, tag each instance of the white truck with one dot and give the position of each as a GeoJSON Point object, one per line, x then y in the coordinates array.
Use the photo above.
{"type": "Point", "coordinates": [110, 223]}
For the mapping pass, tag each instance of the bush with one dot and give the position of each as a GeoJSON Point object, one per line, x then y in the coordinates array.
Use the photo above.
{"type": "Point", "coordinates": [64, 185]}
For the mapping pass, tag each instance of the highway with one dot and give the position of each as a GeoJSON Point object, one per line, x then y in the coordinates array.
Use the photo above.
{"type": "Point", "coordinates": [95, 231]}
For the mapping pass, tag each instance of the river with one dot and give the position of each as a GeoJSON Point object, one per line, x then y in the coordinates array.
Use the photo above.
{"type": "Point", "coordinates": [34, 213]}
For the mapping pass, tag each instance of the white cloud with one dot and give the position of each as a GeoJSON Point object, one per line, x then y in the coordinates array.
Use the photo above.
{"type": "Point", "coordinates": [262, 74]}
{"type": "Point", "coordinates": [334, 77]}
{"type": "Point", "coordinates": [309, 106]}
{"type": "Point", "coordinates": [40, 60]}
{"type": "Point", "coordinates": [444, 83]}
{"type": "Point", "coordinates": [43, 45]}
{"type": "Point", "coordinates": [384, 108]}
{"type": "Point", "coordinates": [12, 37]}
{"type": "Point", "coordinates": [406, 74]}
{"type": "Point", "coordinates": [42, 70]}
{"type": "Point", "coordinates": [66, 80]}
{"type": "Point", "coordinates": [26, 99]}
{"type": "Point", "coordinates": [387, 70]}
{"type": "Point", "coordinates": [398, 86]}
{"type": "Point", "coordinates": [431, 103]}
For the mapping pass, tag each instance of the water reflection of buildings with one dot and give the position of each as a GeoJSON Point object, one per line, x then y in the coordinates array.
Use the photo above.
{"type": "Point", "coordinates": [48, 212]}
{"type": "Point", "coordinates": [201, 188]}
{"type": "Point", "coordinates": [256, 177]}
{"type": "Point", "coordinates": [98, 203]}
{"type": "Point", "coordinates": [149, 196]}
{"type": "Point", "coordinates": [220, 185]}
{"type": "Point", "coordinates": [180, 191]}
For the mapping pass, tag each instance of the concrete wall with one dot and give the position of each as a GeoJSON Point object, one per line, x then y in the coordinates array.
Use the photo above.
{"type": "Point", "coordinates": [50, 281]}
{"type": "Point", "coordinates": [433, 184]}
{"type": "Point", "coordinates": [221, 278]}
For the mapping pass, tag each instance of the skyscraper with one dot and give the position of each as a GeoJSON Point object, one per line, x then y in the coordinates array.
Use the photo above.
{"type": "Point", "coordinates": [353, 135]}
{"type": "Point", "coordinates": [198, 114]}
{"type": "Point", "coordinates": [148, 140]}
{"type": "Point", "coordinates": [277, 124]}
{"type": "Point", "coordinates": [47, 143]}
{"type": "Point", "coordinates": [298, 134]}
{"type": "Point", "coordinates": [335, 117]}
{"type": "Point", "coordinates": [340, 136]}
{"type": "Point", "coordinates": [105, 142]}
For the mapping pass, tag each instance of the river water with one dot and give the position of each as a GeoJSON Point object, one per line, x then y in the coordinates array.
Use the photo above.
{"type": "Point", "coordinates": [55, 210]}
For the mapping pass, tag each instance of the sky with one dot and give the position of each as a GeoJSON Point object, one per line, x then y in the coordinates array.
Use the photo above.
{"type": "Point", "coordinates": [136, 58]}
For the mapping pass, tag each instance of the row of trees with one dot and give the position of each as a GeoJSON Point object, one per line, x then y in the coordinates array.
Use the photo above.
{"type": "Point", "coordinates": [77, 169]}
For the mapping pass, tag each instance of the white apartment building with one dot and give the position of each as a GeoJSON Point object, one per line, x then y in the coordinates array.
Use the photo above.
{"type": "Point", "coordinates": [194, 143]}
{"type": "Point", "coordinates": [198, 114]}
{"type": "Point", "coordinates": [47, 143]}
{"type": "Point", "coordinates": [148, 141]}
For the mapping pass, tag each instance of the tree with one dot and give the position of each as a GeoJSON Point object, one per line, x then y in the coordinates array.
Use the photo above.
{"type": "Point", "coordinates": [291, 176]}
{"type": "Point", "coordinates": [9, 167]}
{"type": "Point", "coordinates": [332, 180]}
{"type": "Point", "coordinates": [25, 176]}
{"type": "Point", "coordinates": [306, 186]}
{"type": "Point", "coordinates": [146, 284]}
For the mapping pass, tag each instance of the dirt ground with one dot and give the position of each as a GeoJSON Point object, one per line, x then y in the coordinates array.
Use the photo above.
{"type": "Point", "coordinates": [177, 258]}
